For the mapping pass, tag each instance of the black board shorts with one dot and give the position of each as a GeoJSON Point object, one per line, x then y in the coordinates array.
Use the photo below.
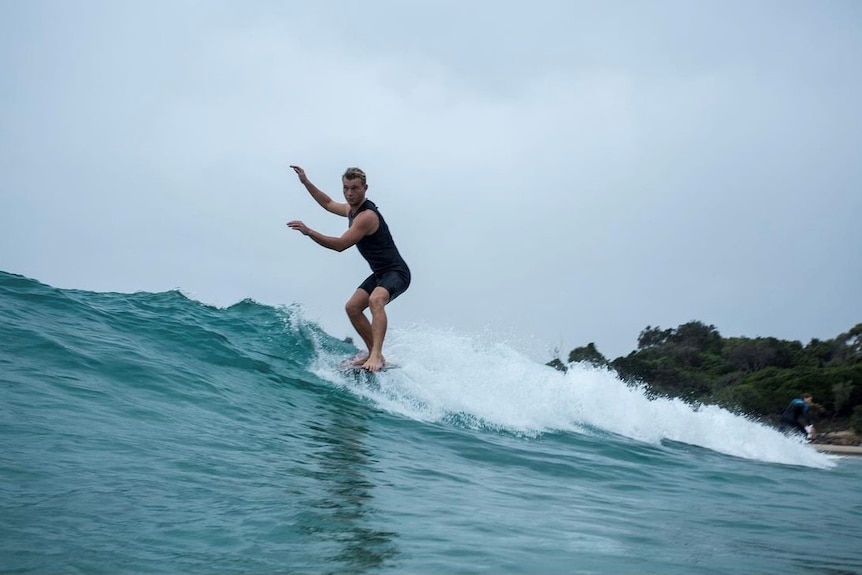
{"type": "Point", "coordinates": [396, 282]}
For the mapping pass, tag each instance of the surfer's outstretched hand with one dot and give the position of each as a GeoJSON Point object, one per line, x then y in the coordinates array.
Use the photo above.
{"type": "Point", "coordinates": [301, 173]}
{"type": "Point", "coordinates": [298, 226]}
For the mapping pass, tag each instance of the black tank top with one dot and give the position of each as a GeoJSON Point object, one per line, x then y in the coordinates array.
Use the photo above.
{"type": "Point", "coordinates": [378, 249]}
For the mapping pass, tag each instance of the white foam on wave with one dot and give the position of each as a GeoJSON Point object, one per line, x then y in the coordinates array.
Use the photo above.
{"type": "Point", "coordinates": [444, 374]}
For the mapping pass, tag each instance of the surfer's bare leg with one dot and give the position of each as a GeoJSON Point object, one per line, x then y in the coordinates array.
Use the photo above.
{"type": "Point", "coordinates": [355, 309]}
{"type": "Point", "coordinates": [377, 302]}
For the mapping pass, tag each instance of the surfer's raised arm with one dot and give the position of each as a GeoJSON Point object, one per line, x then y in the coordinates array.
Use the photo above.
{"type": "Point", "coordinates": [320, 196]}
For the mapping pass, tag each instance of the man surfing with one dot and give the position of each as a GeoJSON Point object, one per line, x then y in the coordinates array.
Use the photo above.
{"type": "Point", "coordinates": [797, 416]}
{"type": "Point", "coordinates": [368, 231]}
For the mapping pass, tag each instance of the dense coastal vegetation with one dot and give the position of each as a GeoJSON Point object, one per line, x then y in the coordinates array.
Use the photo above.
{"type": "Point", "coordinates": [754, 376]}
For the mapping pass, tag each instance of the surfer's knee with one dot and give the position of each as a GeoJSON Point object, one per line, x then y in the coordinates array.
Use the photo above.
{"type": "Point", "coordinates": [378, 300]}
{"type": "Point", "coordinates": [355, 306]}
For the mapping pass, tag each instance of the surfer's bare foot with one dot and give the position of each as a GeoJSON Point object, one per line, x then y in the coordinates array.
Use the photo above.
{"type": "Point", "coordinates": [374, 363]}
{"type": "Point", "coordinates": [359, 359]}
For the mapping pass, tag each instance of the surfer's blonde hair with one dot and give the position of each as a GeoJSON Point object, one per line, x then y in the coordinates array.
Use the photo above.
{"type": "Point", "coordinates": [353, 174]}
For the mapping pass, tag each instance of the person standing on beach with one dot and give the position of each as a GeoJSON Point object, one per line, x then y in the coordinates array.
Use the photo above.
{"type": "Point", "coordinates": [368, 231]}
{"type": "Point", "coordinates": [797, 416]}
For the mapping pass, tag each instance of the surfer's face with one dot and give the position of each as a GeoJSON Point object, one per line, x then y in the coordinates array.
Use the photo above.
{"type": "Point", "coordinates": [354, 191]}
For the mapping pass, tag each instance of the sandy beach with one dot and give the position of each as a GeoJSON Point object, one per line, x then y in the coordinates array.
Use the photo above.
{"type": "Point", "coordinates": [838, 449]}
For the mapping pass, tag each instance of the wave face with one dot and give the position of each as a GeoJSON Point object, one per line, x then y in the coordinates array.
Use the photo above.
{"type": "Point", "coordinates": [151, 433]}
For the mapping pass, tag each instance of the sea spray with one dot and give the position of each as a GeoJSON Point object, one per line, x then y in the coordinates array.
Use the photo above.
{"type": "Point", "coordinates": [451, 376]}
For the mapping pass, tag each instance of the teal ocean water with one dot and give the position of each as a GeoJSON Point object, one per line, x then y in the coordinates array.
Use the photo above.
{"type": "Point", "coordinates": [151, 433]}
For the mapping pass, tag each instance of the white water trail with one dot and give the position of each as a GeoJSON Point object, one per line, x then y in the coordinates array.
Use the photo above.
{"type": "Point", "coordinates": [445, 374]}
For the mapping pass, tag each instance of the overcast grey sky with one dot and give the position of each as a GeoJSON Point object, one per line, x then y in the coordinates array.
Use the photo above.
{"type": "Point", "coordinates": [569, 171]}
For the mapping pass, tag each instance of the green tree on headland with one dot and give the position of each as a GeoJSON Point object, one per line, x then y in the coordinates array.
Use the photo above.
{"type": "Point", "coordinates": [756, 376]}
